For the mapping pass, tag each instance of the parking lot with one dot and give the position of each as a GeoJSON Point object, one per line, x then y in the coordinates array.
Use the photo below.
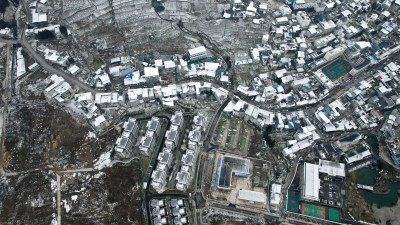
{"type": "Point", "coordinates": [330, 192]}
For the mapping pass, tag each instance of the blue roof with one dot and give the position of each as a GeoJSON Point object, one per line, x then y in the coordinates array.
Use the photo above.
{"type": "Point", "coordinates": [218, 171]}
{"type": "Point", "coordinates": [129, 75]}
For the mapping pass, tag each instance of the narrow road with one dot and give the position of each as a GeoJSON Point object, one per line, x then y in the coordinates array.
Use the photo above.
{"type": "Point", "coordinates": [41, 61]}
{"type": "Point", "coordinates": [58, 200]}
{"type": "Point", "coordinates": [77, 170]}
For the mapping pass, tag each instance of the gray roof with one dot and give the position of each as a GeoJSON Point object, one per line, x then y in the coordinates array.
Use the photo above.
{"type": "Point", "coordinates": [165, 156]}
{"type": "Point", "coordinates": [153, 125]}
{"type": "Point", "coordinates": [195, 135]}
{"type": "Point", "coordinates": [183, 177]}
{"type": "Point", "coordinates": [154, 203]}
{"type": "Point", "coordinates": [175, 211]}
{"type": "Point", "coordinates": [187, 159]}
{"type": "Point", "coordinates": [129, 127]}
{"type": "Point", "coordinates": [171, 135]}
{"type": "Point", "coordinates": [147, 141]}
{"type": "Point", "coordinates": [159, 175]}
{"type": "Point", "coordinates": [231, 165]}
{"type": "Point", "coordinates": [155, 212]}
{"type": "Point", "coordinates": [176, 119]}
{"type": "Point", "coordinates": [200, 120]}
{"type": "Point", "coordinates": [122, 143]}
{"type": "Point", "coordinates": [175, 202]}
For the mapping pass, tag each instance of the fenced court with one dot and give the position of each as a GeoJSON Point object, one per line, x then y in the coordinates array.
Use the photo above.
{"type": "Point", "coordinates": [293, 201]}
{"type": "Point", "coordinates": [234, 135]}
{"type": "Point", "coordinates": [312, 210]}
{"type": "Point", "coordinates": [333, 215]}
{"type": "Point", "coordinates": [336, 69]}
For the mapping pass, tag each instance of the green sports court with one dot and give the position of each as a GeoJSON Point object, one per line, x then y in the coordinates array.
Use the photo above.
{"type": "Point", "coordinates": [293, 201]}
{"type": "Point", "coordinates": [333, 215]}
{"type": "Point", "coordinates": [312, 210]}
{"type": "Point", "coordinates": [336, 69]}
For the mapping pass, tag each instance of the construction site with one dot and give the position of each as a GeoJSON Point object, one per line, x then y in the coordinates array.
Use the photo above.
{"type": "Point", "coordinates": [240, 181]}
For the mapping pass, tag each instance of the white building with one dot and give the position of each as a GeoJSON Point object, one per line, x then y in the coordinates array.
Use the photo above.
{"type": "Point", "coordinates": [154, 125]}
{"type": "Point", "coordinates": [335, 53]}
{"type": "Point", "coordinates": [198, 53]}
{"type": "Point", "coordinates": [160, 175]}
{"type": "Point", "coordinates": [354, 156]}
{"type": "Point", "coordinates": [333, 169]}
{"type": "Point", "coordinates": [159, 179]}
{"type": "Point", "coordinates": [151, 74]}
{"type": "Point", "coordinates": [38, 18]}
{"type": "Point", "coordinates": [59, 89]}
{"type": "Point", "coordinates": [177, 120]}
{"type": "Point", "coordinates": [252, 196]}
{"type": "Point", "coordinates": [21, 70]}
{"type": "Point", "coordinates": [311, 182]}
{"type": "Point", "coordinates": [194, 140]}
{"type": "Point", "coordinates": [276, 190]}
{"type": "Point", "coordinates": [74, 69]}
{"type": "Point", "coordinates": [172, 137]}
{"type": "Point", "coordinates": [108, 98]}
{"type": "Point", "coordinates": [147, 143]}
{"type": "Point", "coordinates": [182, 179]}
{"type": "Point", "coordinates": [303, 19]}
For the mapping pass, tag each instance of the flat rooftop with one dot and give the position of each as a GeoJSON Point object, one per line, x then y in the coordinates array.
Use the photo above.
{"type": "Point", "coordinates": [130, 125]}
{"type": "Point", "coordinates": [172, 133]}
{"type": "Point", "coordinates": [147, 141]}
{"type": "Point", "coordinates": [229, 165]}
{"type": "Point", "coordinates": [153, 124]}
{"type": "Point", "coordinates": [195, 136]}
{"type": "Point", "coordinates": [176, 119]}
{"type": "Point", "coordinates": [122, 142]}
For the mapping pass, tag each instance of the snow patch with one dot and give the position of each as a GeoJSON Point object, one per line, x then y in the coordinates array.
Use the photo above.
{"type": "Point", "coordinates": [54, 220]}
{"type": "Point", "coordinates": [53, 185]}
{"type": "Point", "coordinates": [103, 161]}
{"type": "Point", "coordinates": [90, 135]}
{"type": "Point", "coordinates": [66, 206]}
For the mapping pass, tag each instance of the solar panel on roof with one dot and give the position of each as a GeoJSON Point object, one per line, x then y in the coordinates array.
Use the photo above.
{"type": "Point", "coordinates": [177, 119]}
{"type": "Point", "coordinates": [123, 142]}
{"type": "Point", "coordinates": [153, 125]}
{"type": "Point", "coordinates": [172, 135]}
{"type": "Point", "coordinates": [165, 157]}
{"type": "Point", "coordinates": [147, 141]}
{"type": "Point", "coordinates": [130, 126]}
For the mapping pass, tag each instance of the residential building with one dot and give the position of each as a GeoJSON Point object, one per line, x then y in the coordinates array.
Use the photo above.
{"type": "Point", "coordinates": [147, 143]}
{"type": "Point", "coordinates": [172, 137]}
{"type": "Point", "coordinates": [198, 53]}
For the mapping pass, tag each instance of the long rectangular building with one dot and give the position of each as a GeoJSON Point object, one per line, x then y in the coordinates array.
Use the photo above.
{"type": "Point", "coordinates": [311, 182]}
